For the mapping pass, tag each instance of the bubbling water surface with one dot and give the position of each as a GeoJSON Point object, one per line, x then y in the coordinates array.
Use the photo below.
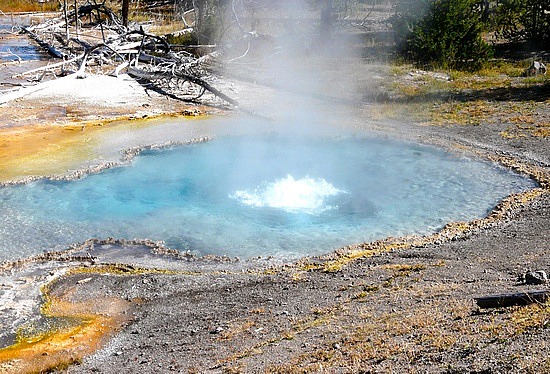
{"type": "Point", "coordinates": [262, 195]}
{"type": "Point", "coordinates": [305, 195]}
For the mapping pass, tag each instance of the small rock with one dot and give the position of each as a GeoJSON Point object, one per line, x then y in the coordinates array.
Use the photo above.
{"type": "Point", "coordinates": [217, 330]}
{"type": "Point", "coordinates": [536, 68]}
{"type": "Point", "coordinates": [535, 277]}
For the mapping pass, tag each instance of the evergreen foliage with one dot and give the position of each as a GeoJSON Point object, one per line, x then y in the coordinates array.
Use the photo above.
{"type": "Point", "coordinates": [441, 33]}
{"type": "Point", "coordinates": [523, 20]}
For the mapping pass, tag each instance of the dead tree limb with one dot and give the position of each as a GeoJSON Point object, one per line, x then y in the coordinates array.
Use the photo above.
{"type": "Point", "coordinates": [180, 74]}
{"type": "Point", "coordinates": [156, 38]}
{"type": "Point", "coordinates": [154, 76]}
{"type": "Point", "coordinates": [514, 299]}
{"type": "Point", "coordinates": [48, 47]}
{"type": "Point", "coordinates": [48, 67]}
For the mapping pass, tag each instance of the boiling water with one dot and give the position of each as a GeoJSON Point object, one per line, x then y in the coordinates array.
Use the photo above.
{"type": "Point", "coordinates": [258, 196]}
{"type": "Point", "coordinates": [305, 195]}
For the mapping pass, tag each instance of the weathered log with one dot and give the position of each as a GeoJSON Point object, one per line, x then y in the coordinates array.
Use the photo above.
{"type": "Point", "coordinates": [172, 72]}
{"type": "Point", "coordinates": [84, 44]}
{"type": "Point", "coordinates": [150, 59]}
{"type": "Point", "coordinates": [126, 46]}
{"type": "Point", "coordinates": [187, 30]}
{"type": "Point", "coordinates": [48, 67]}
{"type": "Point", "coordinates": [48, 47]}
{"type": "Point", "coordinates": [514, 299]}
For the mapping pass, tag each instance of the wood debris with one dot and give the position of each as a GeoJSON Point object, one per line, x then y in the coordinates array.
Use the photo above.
{"type": "Point", "coordinates": [514, 299]}
{"type": "Point", "coordinates": [93, 39]}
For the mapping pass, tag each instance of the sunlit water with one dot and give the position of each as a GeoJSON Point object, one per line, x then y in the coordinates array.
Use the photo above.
{"type": "Point", "coordinates": [258, 196]}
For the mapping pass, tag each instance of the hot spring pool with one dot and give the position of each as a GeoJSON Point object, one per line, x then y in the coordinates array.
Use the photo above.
{"type": "Point", "coordinates": [266, 195]}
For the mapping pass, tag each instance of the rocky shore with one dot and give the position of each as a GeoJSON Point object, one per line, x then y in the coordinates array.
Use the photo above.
{"type": "Point", "coordinates": [398, 305]}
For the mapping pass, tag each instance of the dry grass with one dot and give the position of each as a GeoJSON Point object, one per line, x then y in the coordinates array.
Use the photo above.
{"type": "Point", "coordinates": [360, 337]}
{"type": "Point", "coordinates": [520, 320]}
{"type": "Point", "coordinates": [235, 329]}
{"type": "Point", "coordinates": [167, 26]}
{"type": "Point", "coordinates": [470, 99]}
{"type": "Point", "coordinates": [20, 6]}
{"type": "Point", "coordinates": [379, 336]}
{"type": "Point", "coordinates": [463, 113]}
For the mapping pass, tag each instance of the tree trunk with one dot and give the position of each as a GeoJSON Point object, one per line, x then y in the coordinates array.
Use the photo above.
{"type": "Point", "coordinates": [125, 9]}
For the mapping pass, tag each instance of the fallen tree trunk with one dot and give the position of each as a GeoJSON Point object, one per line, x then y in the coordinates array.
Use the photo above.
{"type": "Point", "coordinates": [48, 47]}
{"type": "Point", "coordinates": [48, 67]}
{"type": "Point", "coordinates": [514, 299]}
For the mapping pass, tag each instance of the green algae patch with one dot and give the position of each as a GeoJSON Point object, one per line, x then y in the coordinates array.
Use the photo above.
{"type": "Point", "coordinates": [44, 327]}
{"type": "Point", "coordinates": [352, 253]}
{"type": "Point", "coordinates": [73, 322]}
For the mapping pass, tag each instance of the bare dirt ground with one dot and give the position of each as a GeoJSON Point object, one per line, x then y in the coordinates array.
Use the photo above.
{"type": "Point", "coordinates": [395, 306]}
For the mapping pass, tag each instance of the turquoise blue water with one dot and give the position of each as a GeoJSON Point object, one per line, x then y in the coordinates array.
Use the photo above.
{"type": "Point", "coordinates": [267, 195]}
